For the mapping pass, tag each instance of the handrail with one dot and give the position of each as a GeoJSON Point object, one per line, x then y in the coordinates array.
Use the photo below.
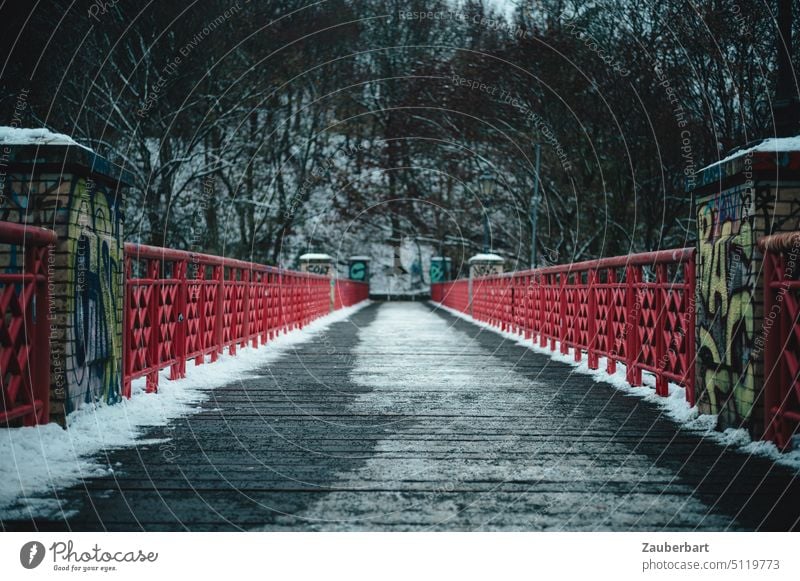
{"type": "Point", "coordinates": [781, 242]}
{"type": "Point", "coordinates": [144, 251]}
{"type": "Point", "coordinates": [19, 234]}
{"type": "Point", "coordinates": [675, 255]}
{"type": "Point", "coordinates": [647, 325]}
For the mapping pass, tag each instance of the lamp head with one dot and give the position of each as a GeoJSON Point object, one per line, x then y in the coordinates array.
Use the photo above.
{"type": "Point", "coordinates": [487, 183]}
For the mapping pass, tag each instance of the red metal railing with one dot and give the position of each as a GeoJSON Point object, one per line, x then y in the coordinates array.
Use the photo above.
{"type": "Point", "coordinates": [454, 294]}
{"type": "Point", "coordinates": [638, 310]}
{"type": "Point", "coordinates": [349, 292]}
{"type": "Point", "coordinates": [781, 337]}
{"type": "Point", "coordinates": [24, 325]}
{"type": "Point", "coordinates": [181, 306]}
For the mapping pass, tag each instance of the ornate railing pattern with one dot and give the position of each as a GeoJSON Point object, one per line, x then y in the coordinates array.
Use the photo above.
{"type": "Point", "coordinates": [637, 310]}
{"type": "Point", "coordinates": [781, 336]}
{"type": "Point", "coordinates": [454, 294]}
{"type": "Point", "coordinates": [24, 324]}
{"type": "Point", "coordinates": [182, 306]}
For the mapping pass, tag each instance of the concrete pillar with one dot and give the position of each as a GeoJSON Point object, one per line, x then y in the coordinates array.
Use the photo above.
{"type": "Point", "coordinates": [317, 264]}
{"type": "Point", "coordinates": [359, 268]}
{"type": "Point", "coordinates": [321, 264]}
{"type": "Point", "coordinates": [753, 193]}
{"type": "Point", "coordinates": [483, 265]}
{"type": "Point", "coordinates": [79, 195]}
{"type": "Point", "coordinates": [440, 269]}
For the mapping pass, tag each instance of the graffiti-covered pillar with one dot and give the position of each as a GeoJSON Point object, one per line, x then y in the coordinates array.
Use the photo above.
{"type": "Point", "coordinates": [746, 196]}
{"type": "Point", "coordinates": [482, 265]}
{"type": "Point", "coordinates": [358, 268]}
{"type": "Point", "coordinates": [440, 269]}
{"type": "Point", "coordinates": [79, 195]}
{"type": "Point", "coordinates": [321, 264]}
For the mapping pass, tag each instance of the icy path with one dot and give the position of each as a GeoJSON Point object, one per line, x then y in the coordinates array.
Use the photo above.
{"type": "Point", "coordinates": [482, 446]}
{"type": "Point", "coordinates": [38, 461]}
{"type": "Point", "coordinates": [405, 418]}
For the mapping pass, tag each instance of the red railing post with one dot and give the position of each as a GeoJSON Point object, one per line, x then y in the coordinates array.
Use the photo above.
{"type": "Point", "coordinates": [247, 275]}
{"type": "Point", "coordinates": [660, 301]}
{"type": "Point", "coordinates": [219, 309]}
{"type": "Point", "coordinates": [202, 320]}
{"type": "Point", "coordinates": [127, 329]}
{"type": "Point", "coordinates": [591, 323]}
{"type": "Point", "coordinates": [264, 314]}
{"type": "Point", "coordinates": [524, 313]}
{"type": "Point", "coordinates": [154, 314]}
{"type": "Point", "coordinates": [772, 371]}
{"type": "Point", "coordinates": [690, 329]}
{"type": "Point", "coordinates": [563, 313]}
{"type": "Point", "coordinates": [282, 302]}
{"type": "Point", "coordinates": [272, 293]}
{"type": "Point", "coordinates": [577, 295]}
{"type": "Point", "coordinates": [632, 371]}
{"type": "Point", "coordinates": [41, 340]}
{"type": "Point", "coordinates": [611, 334]}
{"type": "Point", "coordinates": [232, 326]}
{"type": "Point", "coordinates": [178, 369]}
{"type": "Point", "coordinates": [535, 320]}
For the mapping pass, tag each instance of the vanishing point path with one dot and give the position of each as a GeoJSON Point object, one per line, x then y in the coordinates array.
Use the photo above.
{"type": "Point", "coordinates": [407, 418]}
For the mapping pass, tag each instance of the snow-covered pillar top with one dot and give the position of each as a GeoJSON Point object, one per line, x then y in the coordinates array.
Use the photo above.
{"type": "Point", "coordinates": [49, 180]}
{"type": "Point", "coordinates": [482, 265]}
{"type": "Point", "coordinates": [317, 264]}
{"type": "Point", "coordinates": [749, 194]}
{"type": "Point", "coordinates": [359, 268]}
{"type": "Point", "coordinates": [485, 264]}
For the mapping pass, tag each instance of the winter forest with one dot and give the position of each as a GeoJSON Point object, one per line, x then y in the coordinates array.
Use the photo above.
{"type": "Point", "coordinates": [264, 130]}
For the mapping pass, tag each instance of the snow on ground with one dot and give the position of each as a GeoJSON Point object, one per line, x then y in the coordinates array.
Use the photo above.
{"type": "Point", "coordinates": [40, 136]}
{"type": "Point", "coordinates": [36, 461]}
{"type": "Point", "coordinates": [674, 405]}
{"type": "Point", "coordinates": [436, 406]}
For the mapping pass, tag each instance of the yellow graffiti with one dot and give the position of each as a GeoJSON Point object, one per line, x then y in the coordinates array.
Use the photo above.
{"type": "Point", "coordinates": [94, 298]}
{"type": "Point", "coordinates": [725, 334]}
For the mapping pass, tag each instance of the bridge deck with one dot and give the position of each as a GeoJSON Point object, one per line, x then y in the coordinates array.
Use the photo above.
{"type": "Point", "coordinates": [408, 419]}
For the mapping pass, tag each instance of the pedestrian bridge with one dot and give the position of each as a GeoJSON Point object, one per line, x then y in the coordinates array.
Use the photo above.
{"type": "Point", "coordinates": [406, 417]}
{"type": "Point", "coordinates": [464, 413]}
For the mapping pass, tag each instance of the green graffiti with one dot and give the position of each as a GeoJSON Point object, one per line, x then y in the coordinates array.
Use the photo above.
{"type": "Point", "coordinates": [437, 272]}
{"type": "Point", "coordinates": [358, 271]}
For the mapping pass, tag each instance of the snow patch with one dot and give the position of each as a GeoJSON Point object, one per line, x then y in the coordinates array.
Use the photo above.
{"type": "Point", "coordinates": [314, 256]}
{"type": "Point", "coordinates": [486, 258]}
{"type": "Point", "coordinates": [38, 460]}
{"type": "Point", "coordinates": [776, 145]}
{"type": "Point", "coordinates": [674, 405]}
{"type": "Point", "coordinates": [440, 482]}
{"type": "Point", "coordinates": [40, 136]}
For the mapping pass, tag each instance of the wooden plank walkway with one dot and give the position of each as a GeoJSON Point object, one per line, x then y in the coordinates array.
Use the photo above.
{"type": "Point", "coordinates": [406, 418]}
